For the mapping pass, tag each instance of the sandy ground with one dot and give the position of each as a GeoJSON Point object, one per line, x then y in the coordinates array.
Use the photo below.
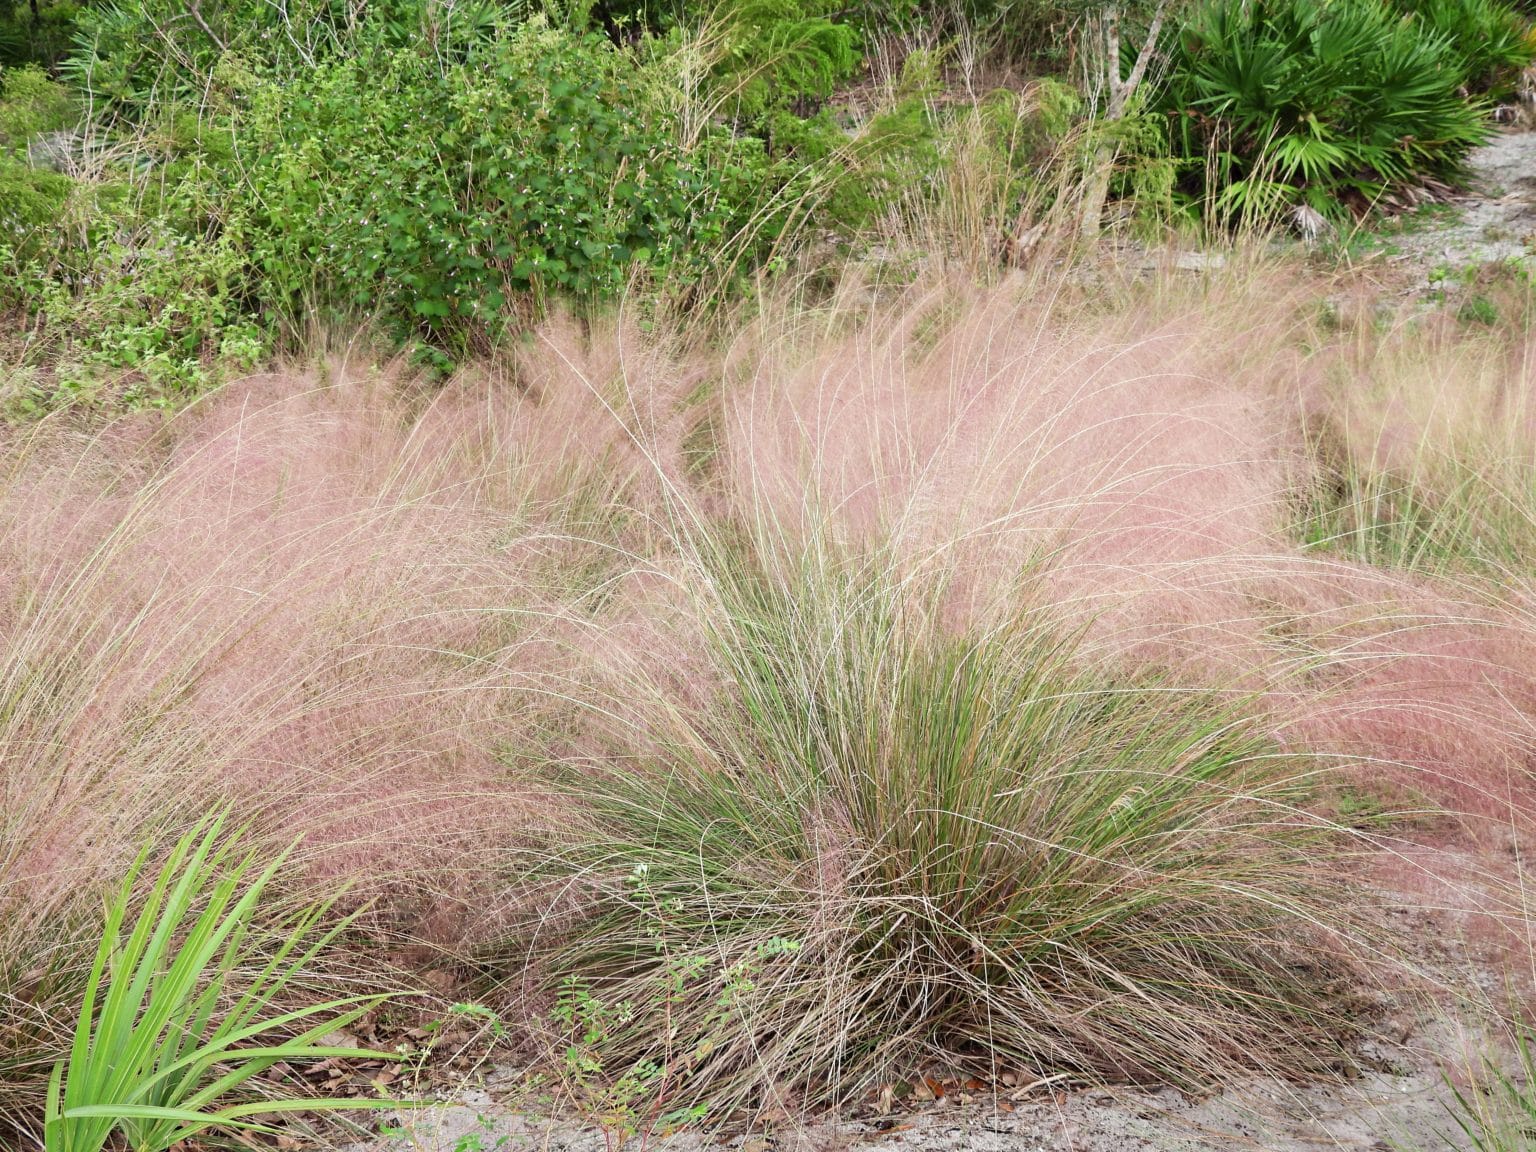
{"type": "Point", "coordinates": [1383, 1111]}
{"type": "Point", "coordinates": [1397, 1097]}
{"type": "Point", "coordinates": [1495, 221]}
{"type": "Point", "coordinates": [1402, 1108]}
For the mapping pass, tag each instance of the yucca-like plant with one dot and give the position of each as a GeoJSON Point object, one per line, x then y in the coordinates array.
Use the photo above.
{"type": "Point", "coordinates": [1280, 102]}
{"type": "Point", "coordinates": [876, 841]}
{"type": "Point", "coordinates": [178, 1012]}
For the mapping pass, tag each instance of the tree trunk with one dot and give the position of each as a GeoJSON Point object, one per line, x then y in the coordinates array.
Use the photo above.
{"type": "Point", "coordinates": [1119, 93]}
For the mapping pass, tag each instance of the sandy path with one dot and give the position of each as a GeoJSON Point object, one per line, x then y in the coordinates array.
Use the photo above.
{"type": "Point", "coordinates": [1496, 221]}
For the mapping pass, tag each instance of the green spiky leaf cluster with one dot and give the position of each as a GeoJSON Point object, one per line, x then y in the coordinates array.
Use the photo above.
{"type": "Point", "coordinates": [1322, 102]}
{"type": "Point", "coordinates": [1492, 42]}
{"type": "Point", "coordinates": [167, 1031]}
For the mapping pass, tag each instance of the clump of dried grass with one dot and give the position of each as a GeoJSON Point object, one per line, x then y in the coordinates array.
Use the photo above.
{"type": "Point", "coordinates": [873, 841]}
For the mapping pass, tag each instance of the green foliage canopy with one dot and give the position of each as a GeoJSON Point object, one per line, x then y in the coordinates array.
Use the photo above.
{"type": "Point", "coordinates": [1275, 102]}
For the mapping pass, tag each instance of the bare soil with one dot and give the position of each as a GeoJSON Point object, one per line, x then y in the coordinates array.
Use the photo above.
{"type": "Point", "coordinates": [1421, 1040]}
{"type": "Point", "coordinates": [1494, 220]}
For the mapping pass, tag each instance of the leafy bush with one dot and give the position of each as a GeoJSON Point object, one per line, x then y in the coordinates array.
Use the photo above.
{"type": "Point", "coordinates": [30, 104]}
{"type": "Point", "coordinates": [430, 194]}
{"type": "Point", "coordinates": [776, 53]}
{"type": "Point", "coordinates": [142, 317]}
{"type": "Point", "coordinates": [31, 197]}
{"type": "Point", "coordinates": [1276, 102]}
{"type": "Point", "coordinates": [870, 840]}
{"type": "Point", "coordinates": [438, 193]}
{"type": "Point", "coordinates": [31, 200]}
{"type": "Point", "coordinates": [747, 83]}
{"type": "Point", "coordinates": [157, 311]}
{"type": "Point", "coordinates": [120, 283]}
{"type": "Point", "coordinates": [133, 55]}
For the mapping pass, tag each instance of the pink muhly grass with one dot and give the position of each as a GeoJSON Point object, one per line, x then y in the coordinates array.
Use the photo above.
{"type": "Point", "coordinates": [1151, 456]}
{"type": "Point", "coordinates": [1015, 431]}
{"type": "Point", "coordinates": [370, 615]}
{"type": "Point", "coordinates": [313, 602]}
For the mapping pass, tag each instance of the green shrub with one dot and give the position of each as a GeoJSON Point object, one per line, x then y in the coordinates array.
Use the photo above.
{"type": "Point", "coordinates": [159, 314]}
{"type": "Point", "coordinates": [773, 54]}
{"type": "Point", "coordinates": [430, 195]}
{"type": "Point", "coordinates": [750, 81]}
{"type": "Point", "coordinates": [31, 104]}
{"type": "Point", "coordinates": [120, 303]}
{"type": "Point", "coordinates": [134, 55]}
{"type": "Point", "coordinates": [31, 201]}
{"type": "Point", "coordinates": [862, 840]}
{"type": "Point", "coordinates": [32, 198]}
{"type": "Point", "coordinates": [1275, 102]}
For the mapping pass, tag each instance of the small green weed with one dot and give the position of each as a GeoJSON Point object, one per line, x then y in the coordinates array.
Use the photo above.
{"type": "Point", "coordinates": [640, 1099]}
{"type": "Point", "coordinates": [1502, 1118]}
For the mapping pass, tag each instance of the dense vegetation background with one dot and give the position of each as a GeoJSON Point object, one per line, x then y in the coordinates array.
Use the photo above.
{"type": "Point", "coordinates": [187, 189]}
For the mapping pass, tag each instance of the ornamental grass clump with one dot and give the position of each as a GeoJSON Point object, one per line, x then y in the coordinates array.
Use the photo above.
{"type": "Point", "coordinates": [866, 840]}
